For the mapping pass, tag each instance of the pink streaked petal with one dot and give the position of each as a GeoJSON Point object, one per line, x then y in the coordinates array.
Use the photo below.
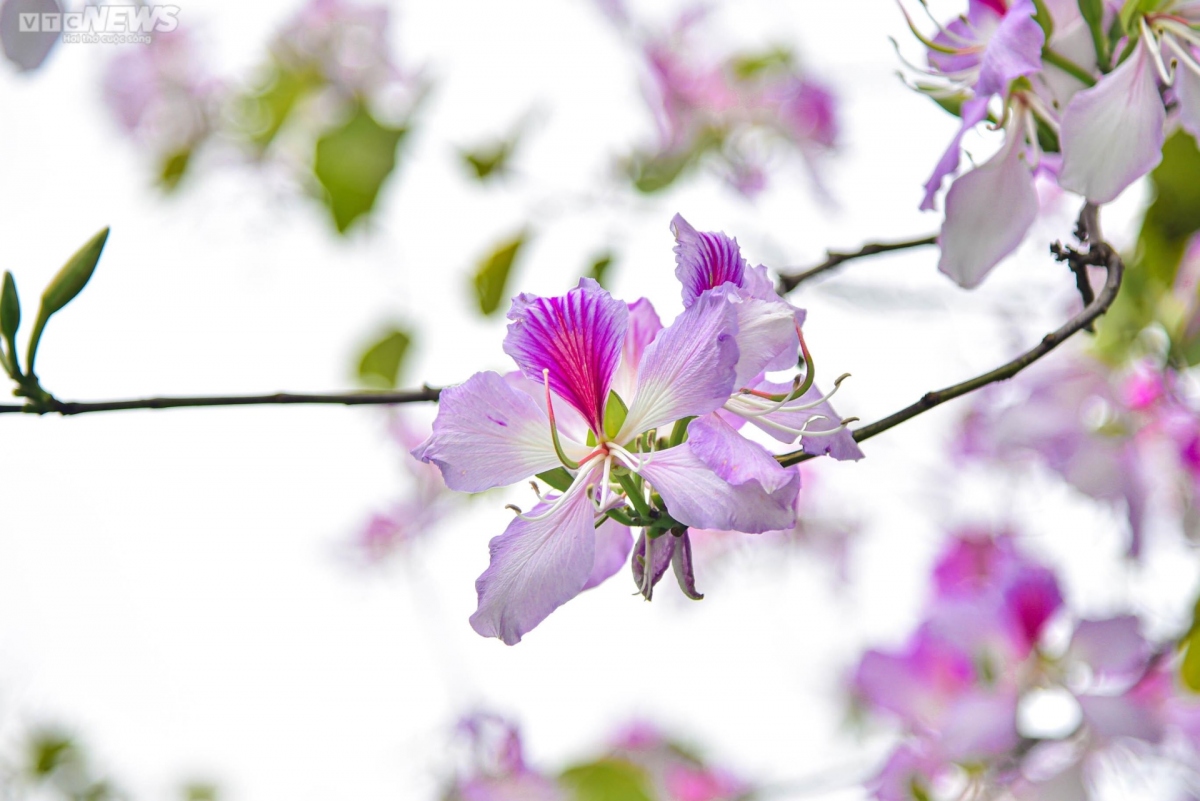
{"type": "Point", "coordinates": [689, 369]}
{"type": "Point", "coordinates": [1112, 133]}
{"type": "Point", "coordinates": [973, 112]}
{"type": "Point", "coordinates": [537, 566]}
{"type": "Point", "coordinates": [733, 457]}
{"type": "Point", "coordinates": [487, 435]}
{"type": "Point", "coordinates": [696, 496]}
{"type": "Point", "coordinates": [613, 542]}
{"type": "Point", "coordinates": [1014, 50]}
{"type": "Point", "coordinates": [975, 237]}
{"type": "Point", "coordinates": [704, 260]}
{"type": "Point", "coordinates": [577, 337]}
{"type": "Point", "coordinates": [644, 325]}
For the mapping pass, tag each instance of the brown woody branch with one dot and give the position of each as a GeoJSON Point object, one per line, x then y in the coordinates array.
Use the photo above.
{"type": "Point", "coordinates": [1098, 253]}
{"type": "Point", "coordinates": [834, 258]}
{"type": "Point", "coordinates": [425, 394]}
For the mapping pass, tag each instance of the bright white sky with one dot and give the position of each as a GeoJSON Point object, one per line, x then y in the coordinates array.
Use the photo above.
{"type": "Point", "coordinates": [175, 585]}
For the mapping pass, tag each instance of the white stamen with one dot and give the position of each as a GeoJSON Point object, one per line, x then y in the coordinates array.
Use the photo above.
{"type": "Point", "coordinates": [585, 470]}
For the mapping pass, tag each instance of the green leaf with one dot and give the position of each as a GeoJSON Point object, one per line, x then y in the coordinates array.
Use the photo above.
{"type": "Point", "coordinates": [48, 751]}
{"type": "Point", "coordinates": [63, 288]}
{"type": "Point", "coordinates": [380, 364]}
{"type": "Point", "coordinates": [607, 780]}
{"type": "Point", "coordinates": [615, 412]}
{"type": "Point", "coordinates": [352, 162]}
{"type": "Point", "coordinates": [489, 161]}
{"type": "Point", "coordinates": [558, 478]}
{"type": "Point", "coordinates": [173, 168]}
{"type": "Point", "coordinates": [599, 269]}
{"type": "Point", "coordinates": [491, 277]}
{"type": "Point", "coordinates": [268, 108]}
{"type": "Point", "coordinates": [751, 65]}
{"type": "Point", "coordinates": [10, 308]}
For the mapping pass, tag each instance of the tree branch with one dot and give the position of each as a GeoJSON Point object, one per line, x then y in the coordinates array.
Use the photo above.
{"type": "Point", "coordinates": [789, 282]}
{"type": "Point", "coordinates": [424, 394]}
{"type": "Point", "coordinates": [1099, 254]}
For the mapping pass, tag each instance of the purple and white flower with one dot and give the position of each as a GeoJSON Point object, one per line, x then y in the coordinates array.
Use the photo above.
{"type": "Point", "coordinates": [599, 380]}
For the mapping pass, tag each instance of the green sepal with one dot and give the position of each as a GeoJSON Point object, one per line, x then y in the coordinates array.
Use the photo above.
{"type": "Point", "coordinates": [679, 432]}
{"type": "Point", "coordinates": [10, 321]}
{"type": "Point", "coordinates": [65, 286]}
{"type": "Point", "coordinates": [558, 478]}
{"type": "Point", "coordinates": [615, 412]}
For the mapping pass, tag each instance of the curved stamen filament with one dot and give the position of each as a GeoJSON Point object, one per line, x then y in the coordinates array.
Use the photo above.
{"type": "Point", "coordinates": [630, 460]}
{"type": "Point", "coordinates": [562, 457]}
{"type": "Point", "coordinates": [805, 431]}
{"type": "Point", "coordinates": [585, 471]}
{"type": "Point", "coordinates": [757, 409]}
{"type": "Point", "coordinates": [1155, 53]}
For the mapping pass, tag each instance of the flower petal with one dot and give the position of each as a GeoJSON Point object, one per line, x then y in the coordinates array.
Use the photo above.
{"type": "Point", "coordinates": [1015, 49]}
{"type": "Point", "coordinates": [766, 335]}
{"type": "Point", "coordinates": [487, 435]}
{"type": "Point", "coordinates": [1112, 648]}
{"type": "Point", "coordinates": [1112, 133]}
{"type": "Point", "coordinates": [613, 542]}
{"type": "Point", "coordinates": [698, 497]}
{"type": "Point", "coordinates": [704, 260]}
{"type": "Point", "coordinates": [975, 237]}
{"type": "Point", "coordinates": [973, 112]}
{"type": "Point", "coordinates": [689, 369]}
{"type": "Point", "coordinates": [537, 566]}
{"type": "Point", "coordinates": [733, 457]}
{"type": "Point", "coordinates": [644, 325]}
{"type": "Point", "coordinates": [577, 337]}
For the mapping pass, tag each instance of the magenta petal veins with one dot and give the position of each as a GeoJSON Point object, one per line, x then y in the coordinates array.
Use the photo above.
{"type": "Point", "coordinates": [576, 337]}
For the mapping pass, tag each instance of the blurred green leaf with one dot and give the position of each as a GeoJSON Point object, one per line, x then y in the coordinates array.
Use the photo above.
{"type": "Point", "coordinates": [657, 173]}
{"type": "Point", "coordinates": [65, 286]}
{"type": "Point", "coordinates": [1170, 221]}
{"type": "Point", "coordinates": [49, 750]}
{"type": "Point", "coordinates": [491, 277]}
{"type": "Point", "coordinates": [751, 65]}
{"type": "Point", "coordinates": [268, 109]}
{"type": "Point", "coordinates": [352, 162]}
{"type": "Point", "coordinates": [173, 168]}
{"type": "Point", "coordinates": [1189, 669]}
{"type": "Point", "coordinates": [489, 161]}
{"type": "Point", "coordinates": [599, 269]}
{"type": "Point", "coordinates": [607, 780]}
{"type": "Point", "coordinates": [380, 364]}
{"type": "Point", "coordinates": [200, 791]}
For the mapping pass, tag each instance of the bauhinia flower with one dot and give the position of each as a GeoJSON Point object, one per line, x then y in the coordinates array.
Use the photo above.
{"type": "Point", "coordinates": [599, 380]}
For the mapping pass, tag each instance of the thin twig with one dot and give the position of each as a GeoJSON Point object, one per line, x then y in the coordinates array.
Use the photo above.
{"type": "Point", "coordinates": [1099, 253]}
{"type": "Point", "coordinates": [422, 395]}
{"type": "Point", "coordinates": [833, 258]}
